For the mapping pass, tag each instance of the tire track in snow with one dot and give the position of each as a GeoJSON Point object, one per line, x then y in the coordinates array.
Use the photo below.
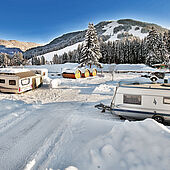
{"type": "Point", "coordinates": [11, 139]}
{"type": "Point", "coordinates": [54, 143]}
{"type": "Point", "coordinates": [45, 152]}
{"type": "Point", "coordinates": [24, 139]}
{"type": "Point", "coordinates": [12, 119]}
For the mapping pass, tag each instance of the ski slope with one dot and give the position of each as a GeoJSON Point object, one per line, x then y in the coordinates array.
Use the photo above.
{"type": "Point", "coordinates": [109, 30]}
{"type": "Point", "coordinates": [49, 56]}
{"type": "Point", "coordinates": [61, 129]}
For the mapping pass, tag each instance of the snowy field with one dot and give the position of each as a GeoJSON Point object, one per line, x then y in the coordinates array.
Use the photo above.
{"type": "Point", "coordinates": [59, 128]}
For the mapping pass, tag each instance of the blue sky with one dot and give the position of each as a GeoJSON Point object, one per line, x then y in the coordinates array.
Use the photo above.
{"type": "Point", "coordinates": [42, 20]}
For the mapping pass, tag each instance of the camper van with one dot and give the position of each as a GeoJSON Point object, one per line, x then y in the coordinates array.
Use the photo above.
{"type": "Point", "coordinates": [140, 101]}
{"type": "Point", "coordinates": [18, 80]}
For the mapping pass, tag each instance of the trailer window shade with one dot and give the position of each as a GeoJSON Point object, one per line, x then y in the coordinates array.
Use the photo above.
{"type": "Point", "coordinates": [12, 82]}
{"type": "Point", "coordinates": [25, 81]}
{"type": "Point", "coordinates": [2, 80]}
{"type": "Point", "coordinates": [132, 99]}
{"type": "Point", "coordinates": [166, 100]}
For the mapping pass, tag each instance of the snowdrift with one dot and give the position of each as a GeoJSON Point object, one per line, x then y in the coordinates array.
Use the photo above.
{"type": "Point", "coordinates": [128, 145]}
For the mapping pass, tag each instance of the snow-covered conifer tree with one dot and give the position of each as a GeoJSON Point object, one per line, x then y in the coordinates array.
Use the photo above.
{"type": "Point", "coordinates": [42, 60]}
{"type": "Point", "coordinates": [156, 51]}
{"type": "Point", "coordinates": [152, 43]}
{"type": "Point", "coordinates": [55, 59]}
{"type": "Point", "coordinates": [78, 53]}
{"type": "Point", "coordinates": [166, 39]}
{"type": "Point", "coordinates": [35, 60]}
{"type": "Point", "coordinates": [15, 61]}
{"type": "Point", "coordinates": [91, 49]}
{"type": "Point", "coordinates": [1, 59]}
{"type": "Point", "coordinates": [163, 51]}
{"type": "Point", "coordinates": [6, 60]}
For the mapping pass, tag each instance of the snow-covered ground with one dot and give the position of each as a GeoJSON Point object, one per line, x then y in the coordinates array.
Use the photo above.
{"type": "Point", "coordinates": [59, 128]}
{"type": "Point", "coordinates": [58, 68]}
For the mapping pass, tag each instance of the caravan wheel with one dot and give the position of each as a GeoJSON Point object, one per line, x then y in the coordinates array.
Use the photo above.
{"type": "Point", "coordinates": [153, 79]}
{"type": "Point", "coordinates": [159, 119]}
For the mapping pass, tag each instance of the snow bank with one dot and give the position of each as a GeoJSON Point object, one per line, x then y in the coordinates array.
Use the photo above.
{"type": "Point", "coordinates": [30, 165]}
{"type": "Point", "coordinates": [55, 83]}
{"type": "Point", "coordinates": [47, 80]}
{"type": "Point", "coordinates": [71, 168]}
{"type": "Point", "coordinates": [103, 88]}
{"type": "Point", "coordinates": [131, 145]}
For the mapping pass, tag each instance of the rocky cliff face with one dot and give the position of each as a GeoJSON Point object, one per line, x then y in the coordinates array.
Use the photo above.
{"type": "Point", "coordinates": [107, 30]}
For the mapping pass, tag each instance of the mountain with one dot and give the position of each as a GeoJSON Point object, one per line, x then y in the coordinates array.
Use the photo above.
{"type": "Point", "coordinates": [12, 46]}
{"type": "Point", "coordinates": [9, 51]}
{"type": "Point", "coordinates": [107, 30]}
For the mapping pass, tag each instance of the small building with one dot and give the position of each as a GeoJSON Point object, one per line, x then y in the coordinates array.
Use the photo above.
{"type": "Point", "coordinates": [84, 72]}
{"type": "Point", "coordinates": [71, 73]}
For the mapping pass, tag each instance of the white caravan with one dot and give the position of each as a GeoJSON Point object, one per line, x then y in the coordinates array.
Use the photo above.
{"type": "Point", "coordinates": [142, 101]}
{"type": "Point", "coordinates": [18, 80]}
{"type": "Point", "coordinates": [41, 71]}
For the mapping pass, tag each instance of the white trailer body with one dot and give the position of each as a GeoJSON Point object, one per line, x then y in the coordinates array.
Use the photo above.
{"type": "Point", "coordinates": [41, 71]}
{"type": "Point", "coordinates": [18, 82]}
{"type": "Point", "coordinates": [143, 101]}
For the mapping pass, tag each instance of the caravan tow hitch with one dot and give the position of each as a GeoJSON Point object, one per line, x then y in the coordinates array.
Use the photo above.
{"type": "Point", "coordinates": [103, 107]}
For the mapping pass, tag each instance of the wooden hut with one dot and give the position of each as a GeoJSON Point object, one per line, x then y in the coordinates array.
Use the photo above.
{"type": "Point", "coordinates": [93, 72]}
{"type": "Point", "coordinates": [85, 72]}
{"type": "Point", "coordinates": [72, 74]}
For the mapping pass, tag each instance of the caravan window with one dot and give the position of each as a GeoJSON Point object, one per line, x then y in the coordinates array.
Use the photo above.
{"type": "Point", "coordinates": [132, 99]}
{"type": "Point", "coordinates": [2, 80]}
{"type": "Point", "coordinates": [12, 82]}
{"type": "Point", "coordinates": [25, 81]}
{"type": "Point", "coordinates": [166, 100]}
